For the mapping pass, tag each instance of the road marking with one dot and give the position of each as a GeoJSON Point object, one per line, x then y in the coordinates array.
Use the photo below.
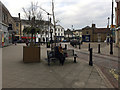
{"type": "Point", "coordinates": [116, 76]}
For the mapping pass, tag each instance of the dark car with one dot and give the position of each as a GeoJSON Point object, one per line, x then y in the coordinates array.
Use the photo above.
{"type": "Point", "coordinates": [74, 42]}
{"type": "Point", "coordinates": [20, 41]}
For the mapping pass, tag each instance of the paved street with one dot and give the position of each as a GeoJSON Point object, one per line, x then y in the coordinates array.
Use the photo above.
{"type": "Point", "coordinates": [107, 63]}
{"type": "Point", "coordinates": [17, 74]}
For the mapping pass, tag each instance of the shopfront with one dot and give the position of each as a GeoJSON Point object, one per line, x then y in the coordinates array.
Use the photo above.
{"type": "Point", "coordinates": [0, 38]}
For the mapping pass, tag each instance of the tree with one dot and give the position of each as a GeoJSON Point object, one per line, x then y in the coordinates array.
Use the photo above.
{"type": "Point", "coordinates": [35, 20]}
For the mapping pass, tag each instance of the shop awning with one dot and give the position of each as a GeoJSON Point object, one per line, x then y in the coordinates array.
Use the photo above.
{"type": "Point", "coordinates": [27, 37]}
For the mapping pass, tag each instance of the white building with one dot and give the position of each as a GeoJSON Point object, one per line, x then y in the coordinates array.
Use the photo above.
{"type": "Point", "coordinates": [44, 35]}
{"type": "Point", "coordinates": [60, 32]}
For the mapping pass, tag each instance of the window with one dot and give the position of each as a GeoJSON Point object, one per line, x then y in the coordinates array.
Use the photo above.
{"type": "Point", "coordinates": [87, 32]}
{"type": "Point", "coordinates": [17, 24]}
{"type": "Point", "coordinates": [58, 34]}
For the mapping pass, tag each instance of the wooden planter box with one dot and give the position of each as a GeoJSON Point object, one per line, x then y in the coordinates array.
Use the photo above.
{"type": "Point", "coordinates": [31, 54]}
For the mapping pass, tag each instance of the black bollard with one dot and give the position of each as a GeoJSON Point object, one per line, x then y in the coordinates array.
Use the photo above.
{"type": "Point", "coordinates": [111, 48]}
{"type": "Point", "coordinates": [98, 48]}
{"type": "Point", "coordinates": [89, 47]}
{"type": "Point", "coordinates": [90, 61]}
{"type": "Point", "coordinates": [75, 58]}
{"type": "Point", "coordinates": [79, 46]}
{"type": "Point", "coordinates": [111, 45]}
{"type": "Point", "coordinates": [65, 46]}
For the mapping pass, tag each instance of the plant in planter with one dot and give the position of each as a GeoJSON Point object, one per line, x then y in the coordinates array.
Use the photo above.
{"type": "Point", "coordinates": [32, 53]}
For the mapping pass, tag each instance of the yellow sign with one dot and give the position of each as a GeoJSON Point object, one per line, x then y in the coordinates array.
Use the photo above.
{"type": "Point", "coordinates": [2, 38]}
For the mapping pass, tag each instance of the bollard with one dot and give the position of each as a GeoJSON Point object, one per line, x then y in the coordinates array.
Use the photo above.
{"type": "Point", "coordinates": [98, 48]}
{"type": "Point", "coordinates": [65, 46]}
{"type": "Point", "coordinates": [89, 47]}
{"type": "Point", "coordinates": [90, 61]}
{"type": "Point", "coordinates": [75, 58]}
{"type": "Point", "coordinates": [79, 46]}
{"type": "Point", "coordinates": [111, 48]}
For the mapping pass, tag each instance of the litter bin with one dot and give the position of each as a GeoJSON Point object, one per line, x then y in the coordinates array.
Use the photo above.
{"type": "Point", "coordinates": [48, 44]}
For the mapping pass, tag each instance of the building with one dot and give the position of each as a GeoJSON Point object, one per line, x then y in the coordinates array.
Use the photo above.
{"type": "Point", "coordinates": [17, 27]}
{"type": "Point", "coordinates": [44, 35]}
{"type": "Point", "coordinates": [60, 32]}
{"type": "Point", "coordinates": [68, 34]}
{"type": "Point", "coordinates": [93, 34]}
{"type": "Point", "coordinates": [7, 26]}
{"type": "Point", "coordinates": [78, 34]}
{"type": "Point", "coordinates": [117, 10]}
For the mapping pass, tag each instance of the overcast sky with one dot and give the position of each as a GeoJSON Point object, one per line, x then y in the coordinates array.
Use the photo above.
{"type": "Point", "coordinates": [78, 13]}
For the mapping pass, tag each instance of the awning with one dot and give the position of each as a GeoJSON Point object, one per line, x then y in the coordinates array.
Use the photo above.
{"type": "Point", "coordinates": [27, 37]}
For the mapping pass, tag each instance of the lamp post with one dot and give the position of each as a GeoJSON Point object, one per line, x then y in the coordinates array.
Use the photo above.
{"type": "Point", "coordinates": [20, 24]}
{"type": "Point", "coordinates": [108, 22]}
{"type": "Point", "coordinates": [111, 37]}
{"type": "Point", "coordinates": [51, 31]}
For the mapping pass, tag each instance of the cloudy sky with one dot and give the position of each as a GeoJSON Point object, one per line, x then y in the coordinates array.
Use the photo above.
{"type": "Point", "coordinates": [78, 13]}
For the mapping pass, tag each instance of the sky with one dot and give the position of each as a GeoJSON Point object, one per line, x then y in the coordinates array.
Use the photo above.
{"type": "Point", "coordinates": [79, 13]}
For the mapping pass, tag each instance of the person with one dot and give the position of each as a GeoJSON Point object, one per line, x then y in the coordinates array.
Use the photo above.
{"type": "Point", "coordinates": [60, 49]}
{"type": "Point", "coordinates": [27, 42]}
{"type": "Point", "coordinates": [59, 54]}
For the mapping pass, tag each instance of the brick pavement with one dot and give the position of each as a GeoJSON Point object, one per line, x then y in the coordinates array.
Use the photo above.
{"type": "Point", "coordinates": [17, 74]}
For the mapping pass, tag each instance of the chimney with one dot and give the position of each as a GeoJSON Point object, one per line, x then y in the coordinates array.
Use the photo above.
{"type": "Point", "coordinates": [93, 26]}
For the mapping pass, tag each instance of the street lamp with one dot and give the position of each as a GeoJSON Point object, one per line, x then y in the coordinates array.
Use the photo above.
{"type": "Point", "coordinates": [111, 37]}
{"type": "Point", "coordinates": [108, 22]}
{"type": "Point", "coordinates": [20, 24]}
{"type": "Point", "coordinates": [51, 31]}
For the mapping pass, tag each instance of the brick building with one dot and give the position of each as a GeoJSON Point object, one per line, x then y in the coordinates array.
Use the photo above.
{"type": "Point", "coordinates": [93, 34]}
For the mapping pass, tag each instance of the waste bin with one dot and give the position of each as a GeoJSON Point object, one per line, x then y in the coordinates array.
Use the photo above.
{"type": "Point", "coordinates": [48, 44]}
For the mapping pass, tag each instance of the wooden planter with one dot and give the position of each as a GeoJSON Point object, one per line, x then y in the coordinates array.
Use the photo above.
{"type": "Point", "coordinates": [31, 54]}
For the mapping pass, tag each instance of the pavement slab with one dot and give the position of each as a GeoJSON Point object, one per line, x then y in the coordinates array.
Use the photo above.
{"type": "Point", "coordinates": [17, 74]}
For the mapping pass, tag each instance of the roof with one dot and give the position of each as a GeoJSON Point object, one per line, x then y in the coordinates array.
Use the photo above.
{"type": "Point", "coordinates": [16, 18]}
{"type": "Point", "coordinates": [87, 27]}
{"type": "Point", "coordinates": [37, 21]}
{"type": "Point", "coordinates": [102, 30]}
{"type": "Point", "coordinates": [68, 31]}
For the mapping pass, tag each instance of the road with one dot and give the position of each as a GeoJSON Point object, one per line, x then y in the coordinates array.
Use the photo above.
{"type": "Point", "coordinates": [107, 64]}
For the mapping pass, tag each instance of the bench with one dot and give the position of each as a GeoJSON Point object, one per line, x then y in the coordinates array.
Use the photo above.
{"type": "Point", "coordinates": [68, 53]}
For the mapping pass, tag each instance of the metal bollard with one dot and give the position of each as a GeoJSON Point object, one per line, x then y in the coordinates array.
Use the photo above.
{"type": "Point", "coordinates": [89, 47]}
{"type": "Point", "coordinates": [65, 47]}
{"type": "Point", "coordinates": [75, 58]}
{"type": "Point", "coordinates": [90, 61]}
{"type": "Point", "coordinates": [98, 48]}
{"type": "Point", "coordinates": [79, 46]}
{"type": "Point", "coordinates": [111, 48]}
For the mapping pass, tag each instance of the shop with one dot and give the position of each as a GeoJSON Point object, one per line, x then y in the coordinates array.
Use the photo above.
{"type": "Point", "coordinates": [0, 38]}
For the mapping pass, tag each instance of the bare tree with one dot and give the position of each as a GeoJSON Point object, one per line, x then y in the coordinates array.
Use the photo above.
{"type": "Point", "coordinates": [34, 15]}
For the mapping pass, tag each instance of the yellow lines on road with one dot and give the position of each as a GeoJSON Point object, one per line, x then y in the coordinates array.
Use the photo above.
{"type": "Point", "coordinates": [113, 72]}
